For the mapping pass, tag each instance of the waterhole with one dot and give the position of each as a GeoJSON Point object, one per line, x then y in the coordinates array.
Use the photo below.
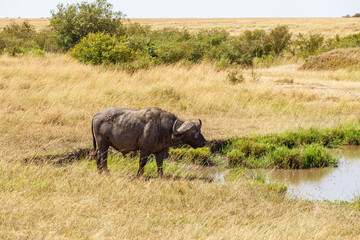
{"type": "Point", "coordinates": [340, 183]}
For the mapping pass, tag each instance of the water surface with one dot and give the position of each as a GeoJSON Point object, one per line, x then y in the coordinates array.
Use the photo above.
{"type": "Point", "coordinates": [340, 183]}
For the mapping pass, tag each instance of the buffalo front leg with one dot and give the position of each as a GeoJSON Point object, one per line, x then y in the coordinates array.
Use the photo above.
{"type": "Point", "coordinates": [142, 162]}
{"type": "Point", "coordinates": [101, 160]}
{"type": "Point", "coordinates": [160, 159]}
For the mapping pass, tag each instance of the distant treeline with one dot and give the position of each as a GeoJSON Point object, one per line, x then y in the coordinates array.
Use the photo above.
{"type": "Point", "coordinates": [356, 15]}
{"type": "Point", "coordinates": [95, 34]}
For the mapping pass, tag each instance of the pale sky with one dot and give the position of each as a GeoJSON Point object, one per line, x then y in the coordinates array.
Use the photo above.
{"type": "Point", "coordinates": [195, 8]}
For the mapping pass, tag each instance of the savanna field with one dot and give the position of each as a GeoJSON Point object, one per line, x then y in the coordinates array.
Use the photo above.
{"type": "Point", "coordinates": [47, 102]}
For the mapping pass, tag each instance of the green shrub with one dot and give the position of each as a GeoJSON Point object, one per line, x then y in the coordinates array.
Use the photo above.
{"type": "Point", "coordinates": [173, 45]}
{"type": "Point", "coordinates": [235, 77]}
{"type": "Point", "coordinates": [22, 38]}
{"type": "Point", "coordinates": [75, 21]}
{"type": "Point", "coordinates": [24, 31]}
{"type": "Point", "coordinates": [171, 52]}
{"type": "Point", "coordinates": [38, 52]}
{"type": "Point", "coordinates": [244, 48]}
{"type": "Point", "coordinates": [212, 37]}
{"type": "Point", "coordinates": [17, 37]}
{"type": "Point", "coordinates": [2, 45]}
{"type": "Point", "coordinates": [15, 50]}
{"type": "Point", "coordinates": [99, 48]}
{"type": "Point", "coordinates": [224, 63]}
{"type": "Point", "coordinates": [142, 61]}
{"type": "Point", "coordinates": [46, 40]}
{"type": "Point", "coordinates": [279, 39]}
{"type": "Point", "coordinates": [133, 29]}
{"type": "Point", "coordinates": [350, 41]}
{"type": "Point", "coordinates": [308, 45]}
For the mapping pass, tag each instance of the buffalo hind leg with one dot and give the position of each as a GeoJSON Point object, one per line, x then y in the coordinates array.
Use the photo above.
{"type": "Point", "coordinates": [101, 160]}
{"type": "Point", "coordinates": [160, 159]}
{"type": "Point", "coordinates": [142, 162]}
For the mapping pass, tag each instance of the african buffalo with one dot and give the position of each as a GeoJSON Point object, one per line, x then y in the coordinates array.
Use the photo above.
{"type": "Point", "coordinates": [151, 130]}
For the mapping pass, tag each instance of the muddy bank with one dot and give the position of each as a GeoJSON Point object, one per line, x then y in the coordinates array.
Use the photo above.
{"type": "Point", "coordinates": [57, 159]}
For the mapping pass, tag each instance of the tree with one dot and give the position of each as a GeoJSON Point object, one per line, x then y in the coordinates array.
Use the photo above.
{"type": "Point", "coordinates": [279, 39]}
{"type": "Point", "coordinates": [75, 21]}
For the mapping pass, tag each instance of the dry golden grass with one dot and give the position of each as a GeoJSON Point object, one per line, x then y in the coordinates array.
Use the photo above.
{"type": "Point", "coordinates": [46, 105]}
{"type": "Point", "coordinates": [327, 26]}
{"type": "Point", "coordinates": [47, 102]}
{"type": "Point", "coordinates": [335, 59]}
{"type": "Point", "coordinates": [73, 202]}
{"type": "Point", "coordinates": [38, 23]}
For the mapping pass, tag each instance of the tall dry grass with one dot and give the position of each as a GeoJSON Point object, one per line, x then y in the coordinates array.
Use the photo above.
{"type": "Point", "coordinates": [38, 23]}
{"type": "Point", "coordinates": [73, 202]}
{"type": "Point", "coordinates": [46, 105]}
{"type": "Point", "coordinates": [327, 26]}
{"type": "Point", "coordinates": [47, 102]}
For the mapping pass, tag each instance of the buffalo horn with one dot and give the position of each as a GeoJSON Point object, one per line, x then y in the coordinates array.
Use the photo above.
{"type": "Point", "coordinates": [174, 126]}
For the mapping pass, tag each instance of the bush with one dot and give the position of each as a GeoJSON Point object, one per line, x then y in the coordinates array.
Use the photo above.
{"type": "Point", "coordinates": [22, 38]}
{"type": "Point", "coordinates": [171, 52]}
{"type": "Point", "coordinates": [235, 77]}
{"type": "Point", "coordinates": [23, 31]}
{"type": "Point", "coordinates": [224, 63]}
{"type": "Point", "coordinates": [38, 52]}
{"type": "Point", "coordinates": [18, 37]}
{"type": "Point", "coordinates": [2, 45]}
{"type": "Point", "coordinates": [142, 61]}
{"type": "Point", "coordinates": [244, 48]}
{"type": "Point", "coordinates": [212, 37]}
{"type": "Point", "coordinates": [308, 45]}
{"type": "Point", "coordinates": [99, 48]}
{"type": "Point", "coordinates": [350, 41]}
{"type": "Point", "coordinates": [173, 45]}
{"type": "Point", "coordinates": [46, 40]}
{"type": "Point", "coordinates": [75, 21]}
{"type": "Point", "coordinates": [15, 50]}
{"type": "Point", "coordinates": [279, 39]}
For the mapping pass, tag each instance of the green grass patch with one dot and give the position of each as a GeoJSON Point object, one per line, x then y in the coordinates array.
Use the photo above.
{"type": "Point", "coordinates": [305, 148]}
{"type": "Point", "coordinates": [201, 156]}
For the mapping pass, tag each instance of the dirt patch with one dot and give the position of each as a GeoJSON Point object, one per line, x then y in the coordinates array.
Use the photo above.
{"type": "Point", "coordinates": [216, 145]}
{"type": "Point", "coordinates": [335, 59]}
{"type": "Point", "coordinates": [76, 155]}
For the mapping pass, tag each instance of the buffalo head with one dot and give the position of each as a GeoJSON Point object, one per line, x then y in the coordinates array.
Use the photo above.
{"type": "Point", "coordinates": [189, 133]}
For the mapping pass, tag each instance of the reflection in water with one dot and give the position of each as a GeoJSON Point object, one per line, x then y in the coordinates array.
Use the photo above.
{"type": "Point", "coordinates": [296, 177]}
{"type": "Point", "coordinates": [211, 174]}
{"type": "Point", "coordinates": [341, 183]}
